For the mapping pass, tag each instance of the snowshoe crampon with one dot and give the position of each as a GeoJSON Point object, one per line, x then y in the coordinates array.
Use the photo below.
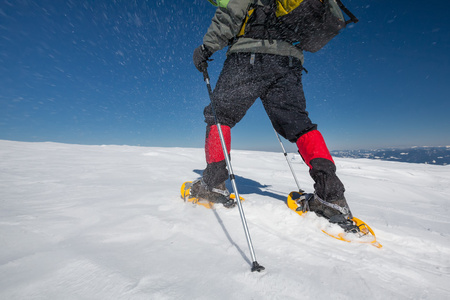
{"type": "Point", "coordinates": [185, 194]}
{"type": "Point", "coordinates": [361, 232]}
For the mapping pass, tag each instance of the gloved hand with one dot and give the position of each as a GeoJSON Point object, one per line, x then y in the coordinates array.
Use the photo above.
{"type": "Point", "coordinates": [201, 58]}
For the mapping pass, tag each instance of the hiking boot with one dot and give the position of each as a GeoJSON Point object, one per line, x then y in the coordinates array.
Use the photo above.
{"type": "Point", "coordinates": [218, 194]}
{"type": "Point", "coordinates": [336, 211]}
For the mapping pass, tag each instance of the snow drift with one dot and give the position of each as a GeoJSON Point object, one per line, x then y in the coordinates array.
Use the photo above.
{"type": "Point", "coordinates": [107, 222]}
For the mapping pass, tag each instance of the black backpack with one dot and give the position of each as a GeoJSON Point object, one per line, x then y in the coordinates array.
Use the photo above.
{"type": "Point", "coordinates": [309, 24]}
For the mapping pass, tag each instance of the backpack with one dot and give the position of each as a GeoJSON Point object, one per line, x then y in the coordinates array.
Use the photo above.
{"type": "Point", "coordinates": [308, 24]}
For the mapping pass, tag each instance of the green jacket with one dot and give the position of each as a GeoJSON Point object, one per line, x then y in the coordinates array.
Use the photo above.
{"type": "Point", "coordinates": [226, 24]}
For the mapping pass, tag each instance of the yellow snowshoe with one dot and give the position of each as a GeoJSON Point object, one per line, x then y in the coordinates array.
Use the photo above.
{"type": "Point", "coordinates": [187, 197]}
{"type": "Point", "coordinates": [360, 233]}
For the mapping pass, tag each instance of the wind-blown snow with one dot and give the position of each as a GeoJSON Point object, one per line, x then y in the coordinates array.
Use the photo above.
{"type": "Point", "coordinates": [107, 222]}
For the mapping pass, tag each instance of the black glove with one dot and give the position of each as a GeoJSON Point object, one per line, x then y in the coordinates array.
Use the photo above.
{"type": "Point", "coordinates": [201, 58]}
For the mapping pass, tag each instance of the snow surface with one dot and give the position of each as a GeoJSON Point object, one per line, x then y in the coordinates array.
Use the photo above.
{"type": "Point", "coordinates": [107, 222]}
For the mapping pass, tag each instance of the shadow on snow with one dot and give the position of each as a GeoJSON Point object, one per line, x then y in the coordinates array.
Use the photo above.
{"type": "Point", "coordinates": [249, 186]}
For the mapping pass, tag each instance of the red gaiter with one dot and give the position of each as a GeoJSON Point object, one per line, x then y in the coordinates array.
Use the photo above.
{"type": "Point", "coordinates": [312, 145]}
{"type": "Point", "coordinates": [213, 147]}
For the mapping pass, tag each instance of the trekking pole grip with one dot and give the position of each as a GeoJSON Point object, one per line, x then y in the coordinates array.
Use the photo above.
{"type": "Point", "coordinates": [206, 76]}
{"type": "Point", "coordinates": [208, 85]}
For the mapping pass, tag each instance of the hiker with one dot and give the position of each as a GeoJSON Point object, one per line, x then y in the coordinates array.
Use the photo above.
{"type": "Point", "coordinates": [259, 64]}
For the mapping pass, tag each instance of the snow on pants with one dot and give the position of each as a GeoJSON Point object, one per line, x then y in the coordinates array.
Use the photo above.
{"type": "Point", "coordinates": [276, 80]}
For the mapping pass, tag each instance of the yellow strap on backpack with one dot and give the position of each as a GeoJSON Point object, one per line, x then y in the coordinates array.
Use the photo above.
{"type": "Point", "coordinates": [286, 6]}
{"type": "Point", "coordinates": [249, 13]}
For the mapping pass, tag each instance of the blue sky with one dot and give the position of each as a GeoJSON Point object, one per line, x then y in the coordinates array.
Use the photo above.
{"type": "Point", "coordinates": [121, 72]}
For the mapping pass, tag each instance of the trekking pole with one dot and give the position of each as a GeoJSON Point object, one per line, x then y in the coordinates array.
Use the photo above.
{"type": "Point", "coordinates": [255, 265]}
{"type": "Point", "coordinates": [289, 163]}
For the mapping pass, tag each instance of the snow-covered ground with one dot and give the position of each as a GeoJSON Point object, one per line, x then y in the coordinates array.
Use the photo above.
{"type": "Point", "coordinates": [107, 222]}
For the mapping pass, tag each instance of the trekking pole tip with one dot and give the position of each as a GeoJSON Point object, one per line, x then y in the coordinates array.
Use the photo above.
{"type": "Point", "coordinates": [257, 267]}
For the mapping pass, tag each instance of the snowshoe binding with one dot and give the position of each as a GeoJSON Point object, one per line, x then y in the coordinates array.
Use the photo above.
{"type": "Point", "coordinates": [336, 212]}
{"type": "Point", "coordinates": [197, 192]}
